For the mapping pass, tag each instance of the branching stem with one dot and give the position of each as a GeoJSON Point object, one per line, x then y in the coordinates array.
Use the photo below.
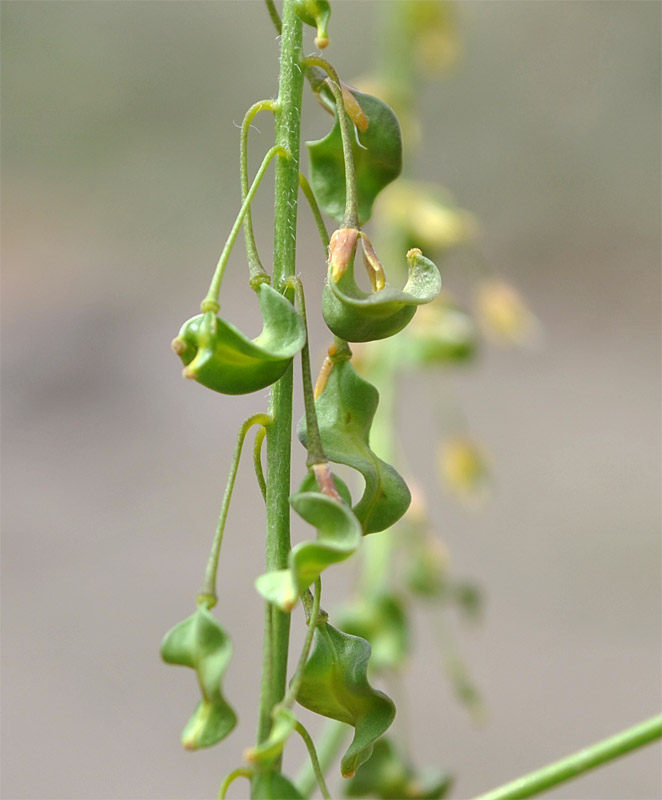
{"type": "Point", "coordinates": [241, 772]}
{"type": "Point", "coordinates": [317, 214]}
{"type": "Point", "coordinates": [254, 264]}
{"type": "Point", "coordinates": [210, 303]}
{"type": "Point", "coordinates": [351, 219]}
{"type": "Point", "coordinates": [330, 743]}
{"type": "Point", "coordinates": [297, 678]}
{"type": "Point", "coordinates": [207, 595]}
{"type": "Point", "coordinates": [316, 453]}
{"type": "Point", "coordinates": [275, 16]}
{"type": "Point", "coordinates": [257, 460]}
{"type": "Point", "coordinates": [314, 761]}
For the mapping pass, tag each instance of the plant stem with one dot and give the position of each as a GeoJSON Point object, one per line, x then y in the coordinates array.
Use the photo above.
{"type": "Point", "coordinates": [254, 264]}
{"type": "Point", "coordinates": [295, 683]}
{"type": "Point", "coordinates": [351, 218]}
{"type": "Point", "coordinates": [314, 761]}
{"type": "Point", "coordinates": [317, 214]}
{"type": "Point", "coordinates": [210, 303]}
{"type": "Point", "coordinates": [242, 772]}
{"type": "Point", "coordinates": [275, 18]}
{"type": "Point", "coordinates": [572, 766]}
{"type": "Point", "coordinates": [257, 461]}
{"type": "Point", "coordinates": [207, 595]}
{"type": "Point", "coordinates": [333, 736]}
{"type": "Point", "coordinates": [288, 123]}
{"type": "Point", "coordinates": [316, 453]}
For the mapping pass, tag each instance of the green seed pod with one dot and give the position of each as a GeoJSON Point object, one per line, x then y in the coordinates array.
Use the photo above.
{"type": "Point", "coordinates": [199, 642]}
{"type": "Point", "coordinates": [315, 13]}
{"type": "Point", "coordinates": [338, 537]}
{"type": "Point", "coordinates": [358, 316]}
{"type": "Point", "coordinates": [220, 357]}
{"type": "Point", "coordinates": [376, 150]}
{"type": "Point", "coordinates": [335, 685]}
{"type": "Point", "coordinates": [346, 407]}
{"type": "Point", "coordinates": [268, 751]}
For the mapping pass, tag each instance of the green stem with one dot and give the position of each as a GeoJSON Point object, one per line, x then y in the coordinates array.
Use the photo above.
{"type": "Point", "coordinates": [275, 16]}
{"type": "Point", "coordinates": [295, 683]}
{"type": "Point", "coordinates": [351, 218]}
{"type": "Point", "coordinates": [314, 761]}
{"type": "Point", "coordinates": [316, 453]}
{"type": "Point", "coordinates": [257, 461]}
{"type": "Point", "coordinates": [207, 595]}
{"type": "Point", "coordinates": [254, 264]}
{"type": "Point", "coordinates": [288, 124]}
{"type": "Point", "coordinates": [330, 743]}
{"type": "Point", "coordinates": [577, 764]}
{"type": "Point", "coordinates": [241, 772]}
{"type": "Point", "coordinates": [210, 303]}
{"type": "Point", "coordinates": [317, 214]}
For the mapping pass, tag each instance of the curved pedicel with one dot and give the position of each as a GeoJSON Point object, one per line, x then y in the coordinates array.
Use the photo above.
{"type": "Point", "coordinates": [359, 316]}
{"type": "Point", "coordinates": [219, 356]}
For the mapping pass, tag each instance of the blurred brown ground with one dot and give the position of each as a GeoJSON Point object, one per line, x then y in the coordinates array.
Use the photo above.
{"type": "Point", "coordinates": [120, 182]}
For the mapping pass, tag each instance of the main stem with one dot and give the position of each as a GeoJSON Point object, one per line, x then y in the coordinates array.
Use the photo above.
{"type": "Point", "coordinates": [288, 122]}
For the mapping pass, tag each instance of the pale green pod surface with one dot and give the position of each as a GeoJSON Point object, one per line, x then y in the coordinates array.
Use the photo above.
{"type": "Point", "coordinates": [268, 751]}
{"type": "Point", "coordinates": [377, 153]}
{"type": "Point", "coordinates": [219, 356]}
{"type": "Point", "coordinates": [345, 411]}
{"type": "Point", "coordinates": [200, 643]}
{"type": "Point", "coordinates": [338, 537]}
{"type": "Point", "coordinates": [358, 316]}
{"type": "Point", "coordinates": [335, 685]}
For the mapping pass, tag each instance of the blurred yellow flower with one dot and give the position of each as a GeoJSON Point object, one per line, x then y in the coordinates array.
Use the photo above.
{"type": "Point", "coordinates": [504, 316]}
{"type": "Point", "coordinates": [464, 470]}
{"type": "Point", "coordinates": [427, 215]}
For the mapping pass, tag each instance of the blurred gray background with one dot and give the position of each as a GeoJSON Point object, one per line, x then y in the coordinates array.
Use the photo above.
{"type": "Point", "coordinates": [120, 182]}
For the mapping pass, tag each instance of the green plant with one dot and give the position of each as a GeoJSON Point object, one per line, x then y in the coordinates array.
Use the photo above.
{"type": "Point", "coordinates": [350, 170]}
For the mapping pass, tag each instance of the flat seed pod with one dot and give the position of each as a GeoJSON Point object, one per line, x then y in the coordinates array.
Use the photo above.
{"type": "Point", "coordinates": [199, 642]}
{"type": "Point", "coordinates": [338, 537]}
{"type": "Point", "coordinates": [377, 153]}
{"type": "Point", "coordinates": [345, 410]}
{"type": "Point", "coordinates": [358, 316]}
{"type": "Point", "coordinates": [266, 753]}
{"type": "Point", "coordinates": [335, 685]}
{"type": "Point", "coordinates": [219, 356]}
